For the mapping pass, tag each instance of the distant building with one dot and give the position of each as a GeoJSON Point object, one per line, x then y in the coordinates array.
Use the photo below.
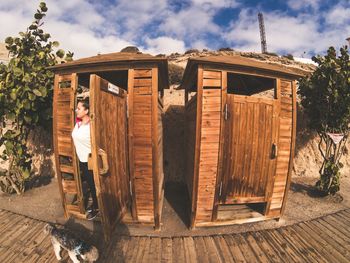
{"type": "Point", "coordinates": [4, 54]}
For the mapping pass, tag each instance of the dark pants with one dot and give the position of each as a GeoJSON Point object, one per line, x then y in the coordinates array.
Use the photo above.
{"type": "Point", "coordinates": [87, 176]}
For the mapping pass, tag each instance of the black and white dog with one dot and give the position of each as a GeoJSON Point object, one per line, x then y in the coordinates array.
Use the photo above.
{"type": "Point", "coordinates": [62, 238]}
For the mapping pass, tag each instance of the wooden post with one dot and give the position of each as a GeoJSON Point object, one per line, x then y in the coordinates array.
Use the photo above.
{"type": "Point", "coordinates": [57, 159]}
{"type": "Point", "coordinates": [198, 145]}
{"type": "Point", "coordinates": [221, 157]}
{"type": "Point", "coordinates": [292, 148]}
{"type": "Point", "coordinates": [155, 164]}
{"type": "Point", "coordinates": [130, 113]}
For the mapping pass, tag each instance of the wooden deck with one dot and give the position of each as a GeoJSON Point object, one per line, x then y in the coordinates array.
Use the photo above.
{"type": "Point", "coordinates": [326, 239]}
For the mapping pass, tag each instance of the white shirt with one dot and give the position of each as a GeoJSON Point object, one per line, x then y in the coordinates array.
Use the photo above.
{"type": "Point", "coordinates": [82, 140]}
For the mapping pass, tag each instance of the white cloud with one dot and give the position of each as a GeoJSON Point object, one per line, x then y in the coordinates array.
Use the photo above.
{"type": "Point", "coordinates": [190, 23]}
{"type": "Point", "coordinates": [215, 3]}
{"type": "Point", "coordinates": [164, 45]}
{"type": "Point", "coordinates": [302, 4]}
{"type": "Point", "coordinates": [339, 15]}
{"type": "Point", "coordinates": [285, 33]}
{"type": "Point", "coordinates": [87, 27]}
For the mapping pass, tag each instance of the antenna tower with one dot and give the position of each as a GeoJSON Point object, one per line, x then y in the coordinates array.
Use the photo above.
{"type": "Point", "coordinates": [262, 33]}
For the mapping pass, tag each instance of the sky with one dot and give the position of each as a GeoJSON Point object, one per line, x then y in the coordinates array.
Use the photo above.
{"type": "Point", "coordinates": [302, 28]}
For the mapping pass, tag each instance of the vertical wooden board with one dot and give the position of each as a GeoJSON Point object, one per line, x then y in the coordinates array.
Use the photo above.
{"type": "Point", "coordinates": [155, 148]}
{"type": "Point", "coordinates": [55, 139]}
{"type": "Point", "coordinates": [197, 146]}
{"type": "Point", "coordinates": [141, 126]}
{"type": "Point", "coordinates": [293, 140]}
{"type": "Point", "coordinates": [248, 151]}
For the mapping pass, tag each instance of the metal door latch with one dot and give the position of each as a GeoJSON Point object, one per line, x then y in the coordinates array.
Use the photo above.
{"type": "Point", "coordinates": [226, 112]}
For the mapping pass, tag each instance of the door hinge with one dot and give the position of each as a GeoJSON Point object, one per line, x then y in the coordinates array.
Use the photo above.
{"type": "Point", "coordinates": [220, 190]}
{"type": "Point", "coordinates": [130, 188]}
{"type": "Point", "coordinates": [226, 112]}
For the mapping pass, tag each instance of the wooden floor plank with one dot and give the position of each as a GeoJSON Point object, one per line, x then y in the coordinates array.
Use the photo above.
{"type": "Point", "coordinates": [246, 249]}
{"type": "Point", "coordinates": [132, 250]}
{"type": "Point", "coordinates": [306, 248]}
{"type": "Point", "coordinates": [178, 250]}
{"type": "Point", "coordinates": [154, 254]}
{"type": "Point", "coordinates": [202, 254]}
{"type": "Point", "coordinates": [223, 249]}
{"type": "Point", "coordinates": [337, 224]}
{"type": "Point", "coordinates": [282, 245]}
{"type": "Point", "coordinates": [335, 231]}
{"type": "Point", "coordinates": [21, 247]}
{"type": "Point", "coordinates": [211, 249]}
{"type": "Point", "coordinates": [316, 242]}
{"type": "Point", "coordinates": [266, 247]}
{"type": "Point", "coordinates": [234, 248]}
{"type": "Point", "coordinates": [344, 219]}
{"type": "Point", "coordinates": [335, 241]}
{"type": "Point", "coordinates": [320, 239]}
{"type": "Point", "coordinates": [167, 251]}
{"type": "Point", "coordinates": [256, 248]}
{"type": "Point", "coordinates": [143, 242]}
{"type": "Point", "coordinates": [190, 250]}
{"type": "Point", "coordinates": [326, 239]}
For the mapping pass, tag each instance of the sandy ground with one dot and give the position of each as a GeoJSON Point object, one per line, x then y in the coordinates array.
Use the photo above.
{"type": "Point", "coordinates": [44, 203]}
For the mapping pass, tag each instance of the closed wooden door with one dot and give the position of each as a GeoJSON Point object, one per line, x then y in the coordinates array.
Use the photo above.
{"type": "Point", "coordinates": [109, 150]}
{"type": "Point", "coordinates": [249, 149]}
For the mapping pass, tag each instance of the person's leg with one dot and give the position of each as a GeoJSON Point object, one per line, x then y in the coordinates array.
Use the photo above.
{"type": "Point", "coordinates": [88, 176]}
{"type": "Point", "coordinates": [91, 182]}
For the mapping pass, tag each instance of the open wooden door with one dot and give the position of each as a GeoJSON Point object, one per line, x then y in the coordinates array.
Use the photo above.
{"type": "Point", "coordinates": [250, 149]}
{"type": "Point", "coordinates": [108, 112]}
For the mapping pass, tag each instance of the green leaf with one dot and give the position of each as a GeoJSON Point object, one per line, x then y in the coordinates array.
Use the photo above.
{"type": "Point", "coordinates": [25, 174]}
{"type": "Point", "coordinates": [55, 43]}
{"type": "Point", "coordinates": [26, 104]}
{"type": "Point", "coordinates": [13, 95]}
{"type": "Point", "coordinates": [9, 40]}
{"type": "Point", "coordinates": [39, 16]}
{"type": "Point", "coordinates": [33, 27]}
{"type": "Point", "coordinates": [9, 145]}
{"type": "Point", "coordinates": [37, 92]}
{"type": "Point", "coordinates": [43, 91]}
{"type": "Point", "coordinates": [31, 96]}
{"type": "Point", "coordinates": [41, 55]}
{"type": "Point", "coordinates": [60, 53]}
{"type": "Point", "coordinates": [11, 116]}
{"type": "Point", "coordinates": [28, 119]}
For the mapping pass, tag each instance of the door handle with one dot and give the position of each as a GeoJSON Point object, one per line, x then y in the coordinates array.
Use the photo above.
{"type": "Point", "coordinates": [104, 169]}
{"type": "Point", "coordinates": [274, 151]}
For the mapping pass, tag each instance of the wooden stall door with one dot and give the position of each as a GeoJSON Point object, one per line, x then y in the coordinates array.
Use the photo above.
{"type": "Point", "coordinates": [248, 163]}
{"type": "Point", "coordinates": [109, 150]}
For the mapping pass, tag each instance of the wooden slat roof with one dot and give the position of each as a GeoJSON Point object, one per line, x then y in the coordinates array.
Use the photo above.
{"type": "Point", "coordinates": [250, 63]}
{"type": "Point", "coordinates": [123, 57]}
{"type": "Point", "coordinates": [243, 64]}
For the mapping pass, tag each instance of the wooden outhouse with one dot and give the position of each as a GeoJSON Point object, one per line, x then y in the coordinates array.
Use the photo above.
{"type": "Point", "coordinates": [240, 138]}
{"type": "Point", "coordinates": [126, 106]}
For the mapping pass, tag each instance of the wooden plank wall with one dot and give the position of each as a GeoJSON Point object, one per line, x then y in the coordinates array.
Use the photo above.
{"type": "Point", "coordinates": [284, 147]}
{"type": "Point", "coordinates": [190, 143]}
{"type": "Point", "coordinates": [209, 144]}
{"type": "Point", "coordinates": [159, 158]}
{"type": "Point", "coordinates": [249, 129]}
{"type": "Point", "coordinates": [142, 144]}
{"type": "Point", "coordinates": [65, 158]}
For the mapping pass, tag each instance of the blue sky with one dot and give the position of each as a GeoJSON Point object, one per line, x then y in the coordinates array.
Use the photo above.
{"type": "Point", "coordinates": [299, 27]}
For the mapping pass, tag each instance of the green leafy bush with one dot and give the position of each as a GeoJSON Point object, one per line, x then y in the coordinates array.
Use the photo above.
{"type": "Point", "coordinates": [26, 89]}
{"type": "Point", "coordinates": [325, 97]}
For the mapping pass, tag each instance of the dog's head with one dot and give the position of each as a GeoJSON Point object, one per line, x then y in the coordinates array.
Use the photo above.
{"type": "Point", "coordinates": [48, 228]}
{"type": "Point", "coordinates": [91, 255]}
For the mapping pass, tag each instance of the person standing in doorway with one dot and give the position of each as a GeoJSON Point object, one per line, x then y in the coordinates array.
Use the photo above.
{"type": "Point", "coordinates": [82, 142]}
